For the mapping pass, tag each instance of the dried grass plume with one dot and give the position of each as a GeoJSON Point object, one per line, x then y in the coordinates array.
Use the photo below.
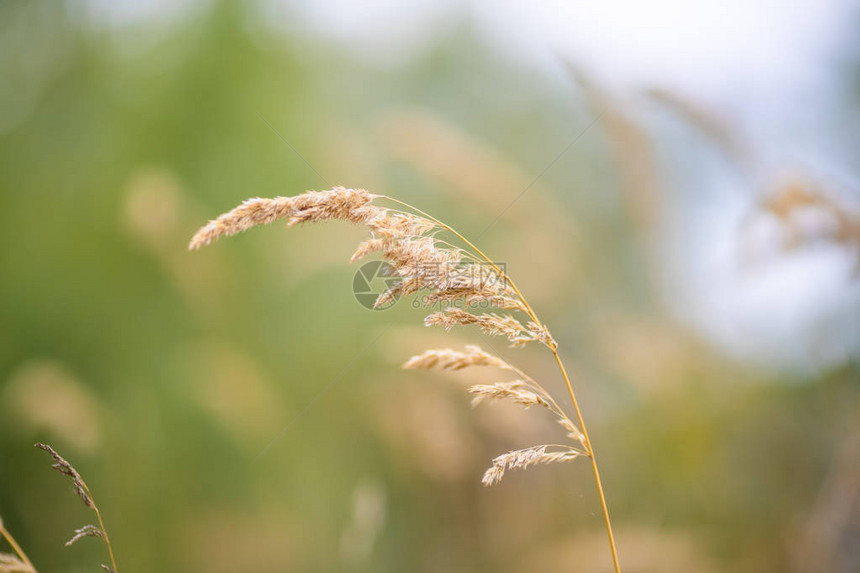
{"type": "Point", "coordinates": [461, 280]}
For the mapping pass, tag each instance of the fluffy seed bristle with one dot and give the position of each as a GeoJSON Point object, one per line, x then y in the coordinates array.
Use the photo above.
{"type": "Point", "coordinates": [541, 333]}
{"type": "Point", "coordinates": [65, 468]}
{"type": "Point", "coordinates": [390, 225]}
{"type": "Point", "coordinates": [521, 459]}
{"type": "Point", "coordinates": [85, 531]}
{"type": "Point", "coordinates": [476, 283]}
{"type": "Point", "coordinates": [517, 391]}
{"type": "Point", "coordinates": [448, 359]}
{"type": "Point", "coordinates": [419, 263]}
{"type": "Point", "coordinates": [367, 247]}
{"type": "Point", "coordinates": [420, 257]}
{"type": "Point", "coordinates": [338, 203]}
{"type": "Point", "coordinates": [490, 323]}
{"type": "Point", "coordinates": [472, 298]}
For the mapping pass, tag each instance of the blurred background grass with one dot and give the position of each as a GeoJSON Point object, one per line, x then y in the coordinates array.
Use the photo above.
{"type": "Point", "coordinates": [163, 375]}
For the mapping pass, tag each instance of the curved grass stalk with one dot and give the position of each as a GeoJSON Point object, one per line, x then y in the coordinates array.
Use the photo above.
{"type": "Point", "coordinates": [586, 441]}
{"type": "Point", "coordinates": [404, 242]}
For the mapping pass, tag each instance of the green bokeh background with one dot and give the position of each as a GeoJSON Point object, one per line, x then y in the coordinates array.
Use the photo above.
{"type": "Point", "coordinates": [190, 388]}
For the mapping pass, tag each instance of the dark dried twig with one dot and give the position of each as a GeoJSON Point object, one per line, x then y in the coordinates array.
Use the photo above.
{"type": "Point", "coordinates": [65, 468]}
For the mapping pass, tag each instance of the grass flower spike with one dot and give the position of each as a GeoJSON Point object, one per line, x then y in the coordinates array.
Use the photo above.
{"type": "Point", "coordinates": [460, 278]}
